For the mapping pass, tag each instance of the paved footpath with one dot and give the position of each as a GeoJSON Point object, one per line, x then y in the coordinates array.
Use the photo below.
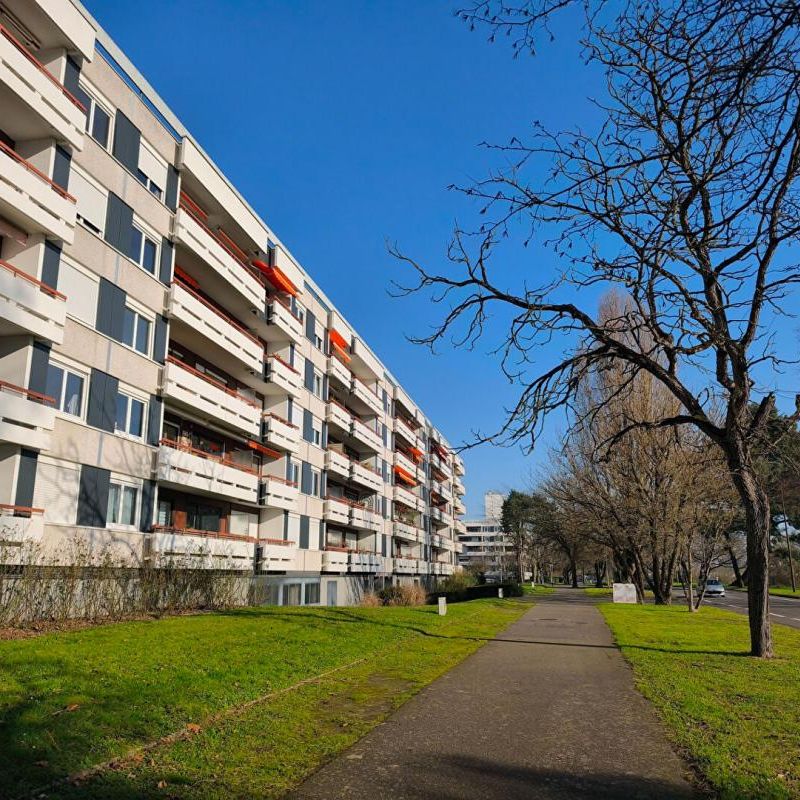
{"type": "Point", "coordinates": [547, 710]}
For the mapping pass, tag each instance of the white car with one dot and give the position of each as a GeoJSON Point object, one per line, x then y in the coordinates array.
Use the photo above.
{"type": "Point", "coordinates": [715, 588]}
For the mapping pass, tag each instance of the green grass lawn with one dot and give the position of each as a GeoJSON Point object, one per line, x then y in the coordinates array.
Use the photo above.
{"type": "Point", "coordinates": [601, 591]}
{"type": "Point", "coordinates": [538, 590]}
{"type": "Point", "coordinates": [736, 717]}
{"type": "Point", "coordinates": [69, 701]}
{"type": "Point", "coordinates": [784, 591]}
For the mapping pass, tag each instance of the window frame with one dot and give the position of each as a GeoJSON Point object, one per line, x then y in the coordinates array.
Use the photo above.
{"type": "Point", "coordinates": [96, 99]}
{"type": "Point", "coordinates": [128, 406]}
{"type": "Point", "coordinates": [122, 486]}
{"type": "Point", "coordinates": [147, 234]}
{"type": "Point", "coordinates": [67, 369]}
{"type": "Point", "coordinates": [138, 315]}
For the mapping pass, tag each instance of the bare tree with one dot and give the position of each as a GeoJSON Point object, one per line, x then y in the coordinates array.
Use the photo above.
{"type": "Point", "coordinates": [686, 197]}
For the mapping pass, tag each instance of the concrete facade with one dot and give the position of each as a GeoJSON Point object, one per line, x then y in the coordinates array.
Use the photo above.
{"type": "Point", "coordinates": [173, 384]}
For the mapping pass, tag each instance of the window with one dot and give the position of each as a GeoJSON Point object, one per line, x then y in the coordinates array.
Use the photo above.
{"type": "Point", "coordinates": [152, 170]}
{"type": "Point", "coordinates": [143, 249]}
{"type": "Point", "coordinates": [312, 594]}
{"type": "Point", "coordinates": [201, 517]}
{"type": "Point", "coordinates": [121, 504]}
{"type": "Point", "coordinates": [316, 432]}
{"type": "Point", "coordinates": [98, 121]}
{"type": "Point", "coordinates": [164, 516]}
{"type": "Point", "coordinates": [291, 594]}
{"type": "Point", "coordinates": [136, 331]}
{"type": "Point", "coordinates": [130, 416]}
{"type": "Point", "coordinates": [318, 385]}
{"type": "Point", "coordinates": [66, 388]}
{"type": "Point", "coordinates": [316, 481]}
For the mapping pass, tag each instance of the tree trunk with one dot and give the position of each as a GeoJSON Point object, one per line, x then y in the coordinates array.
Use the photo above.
{"type": "Point", "coordinates": [757, 514]}
{"type": "Point", "coordinates": [737, 573]}
{"type": "Point", "coordinates": [573, 566]}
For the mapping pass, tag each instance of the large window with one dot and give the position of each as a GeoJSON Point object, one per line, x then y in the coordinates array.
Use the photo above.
{"type": "Point", "coordinates": [66, 388]}
{"type": "Point", "coordinates": [312, 594]}
{"type": "Point", "coordinates": [201, 517]}
{"type": "Point", "coordinates": [144, 249]}
{"type": "Point", "coordinates": [121, 504]}
{"type": "Point", "coordinates": [130, 416]}
{"type": "Point", "coordinates": [98, 121]}
{"type": "Point", "coordinates": [136, 330]}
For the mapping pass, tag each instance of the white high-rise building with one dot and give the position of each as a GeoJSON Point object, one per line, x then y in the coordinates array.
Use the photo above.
{"type": "Point", "coordinates": [483, 543]}
{"type": "Point", "coordinates": [173, 383]}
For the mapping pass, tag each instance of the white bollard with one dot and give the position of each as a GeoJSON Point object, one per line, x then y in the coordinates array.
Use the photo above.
{"type": "Point", "coordinates": [442, 606]}
{"type": "Point", "coordinates": [500, 592]}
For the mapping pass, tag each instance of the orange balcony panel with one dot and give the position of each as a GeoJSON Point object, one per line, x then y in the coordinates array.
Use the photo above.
{"type": "Point", "coordinates": [404, 476]}
{"type": "Point", "coordinates": [277, 278]}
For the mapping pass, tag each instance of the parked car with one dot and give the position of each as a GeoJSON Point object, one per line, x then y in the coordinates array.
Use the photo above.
{"type": "Point", "coordinates": [715, 588]}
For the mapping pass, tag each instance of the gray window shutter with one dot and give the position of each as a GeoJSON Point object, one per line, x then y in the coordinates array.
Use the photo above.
{"type": "Point", "coordinates": [148, 503]}
{"type": "Point", "coordinates": [324, 435]}
{"type": "Point", "coordinates": [308, 425]}
{"type": "Point", "coordinates": [26, 478]}
{"type": "Point", "coordinates": [311, 325]}
{"type": "Point", "coordinates": [126, 142]}
{"type": "Point", "coordinates": [61, 167]}
{"type": "Point", "coordinates": [110, 309]}
{"type": "Point", "coordinates": [325, 388]}
{"type": "Point", "coordinates": [72, 74]}
{"type": "Point", "coordinates": [160, 339]}
{"type": "Point", "coordinates": [321, 534]}
{"type": "Point", "coordinates": [285, 525]}
{"type": "Point", "coordinates": [154, 420]}
{"type": "Point", "coordinates": [288, 475]}
{"type": "Point", "coordinates": [50, 264]}
{"type": "Point", "coordinates": [305, 478]}
{"type": "Point", "coordinates": [102, 406]}
{"type": "Point", "coordinates": [291, 354]}
{"type": "Point", "coordinates": [323, 483]}
{"type": "Point", "coordinates": [40, 361]}
{"type": "Point", "coordinates": [165, 267]}
{"type": "Point", "coordinates": [93, 496]}
{"type": "Point", "coordinates": [383, 508]}
{"type": "Point", "coordinates": [304, 525]}
{"type": "Point", "coordinates": [309, 376]}
{"type": "Point", "coordinates": [383, 434]}
{"type": "Point", "coordinates": [171, 192]}
{"type": "Point", "coordinates": [383, 545]}
{"type": "Point", "coordinates": [385, 470]}
{"type": "Point", "coordinates": [119, 223]}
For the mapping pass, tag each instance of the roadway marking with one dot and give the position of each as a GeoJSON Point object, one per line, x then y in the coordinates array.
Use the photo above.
{"type": "Point", "coordinates": [777, 615]}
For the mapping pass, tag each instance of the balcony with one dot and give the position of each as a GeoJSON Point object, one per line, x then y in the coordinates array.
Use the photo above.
{"type": "Point", "coordinates": [204, 395]}
{"type": "Point", "coordinates": [366, 476]}
{"type": "Point", "coordinates": [26, 417]}
{"type": "Point", "coordinates": [440, 518]}
{"type": "Point", "coordinates": [459, 507]}
{"type": "Point", "coordinates": [281, 377]}
{"type": "Point", "coordinates": [336, 510]}
{"type": "Point", "coordinates": [339, 416]}
{"type": "Point", "coordinates": [405, 463]}
{"type": "Point", "coordinates": [218, 328]}
{"type": "Point", "coordinates": [282, 323]}
{"type": "Point", "coordinates": [279, 432]}
{"type": "Point", "coordinates": [30, 199]}
{"type": "Point", "coordinates": [28, 306]}
{"type": "Point", "coordinates": [362, 561]}
{"type": "Point", "coordinates": [59, 114]}
{"type": "Point", "coordinates": [442, 489]}
{"type": "Point", "coordinates": [409, 533]}
{"type": "Point", "coordinates": [402, 428]}
{"type": "Point", "coordinates": [335, 559]}
{"type": "Point", "coordinates": [278, 493]}
{"type": "Point", "coordinates": [363, 393]}
{"type": "Point", "coordinates": [458, 466]}
{"type": "Point", "coordinates": [337, 464]}
{"type": "Point", "coordinates": [458, 487]}
{"type": "Point", "coordinates": [459, 527]}
{"type": "Point", "coordinates": [196, 549]}
{"type": "Point", "coordinates": [277, 554]}
{"type": "Point", "coordinates": [407, 498]}
{"type": "Point", "coordinates": [440, 464]}
{"type": "Point", "coordinates": [364, 518]}
{"type": "Point", "coordinates": [406, 566]}
{"type": "Point", "coordinates": [194, 470]}
{"type": "Point", "coordinates": [366, 435]}
{"type": "Point", "coordinates": [339, 371]}
{"type": "Point", "coordinates": [197, 237]}
{"type": "Point", "coordinates": [21, 529]}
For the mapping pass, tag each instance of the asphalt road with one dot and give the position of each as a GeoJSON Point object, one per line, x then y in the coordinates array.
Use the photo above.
{"type": "Point", "coordinates": [783, 610]}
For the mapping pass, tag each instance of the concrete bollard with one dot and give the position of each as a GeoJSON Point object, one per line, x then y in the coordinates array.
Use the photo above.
{"type": "Point", "coordinates": [500, 592]}
{"type": "Point", "coordinates": [442, 606]}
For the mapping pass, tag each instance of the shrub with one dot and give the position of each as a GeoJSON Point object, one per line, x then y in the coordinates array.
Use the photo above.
{"type": "Point", "coordinates": [405, 595]}
{"type": "Point", "coordinates": [457, 582]}
{"type": "Point", "coordinates": [370, 600]}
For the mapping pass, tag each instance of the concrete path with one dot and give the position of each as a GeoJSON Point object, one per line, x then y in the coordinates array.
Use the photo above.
{"type": "Point", "coordinates": [547, 710]}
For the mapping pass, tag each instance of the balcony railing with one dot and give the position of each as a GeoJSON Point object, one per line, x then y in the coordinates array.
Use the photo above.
{"type": "Point", "coordinates": [366, 394]}
{"type": "Point", "coordinates": [281, 316]}
{"type": "Point", "coordinates": [41, 67]}
{"type": "Point", "coordinates": [59, 190]}
{"type": "Point", "coordinates": [31, 305]}
{"type": "Point", "coordinates": [278, 493]}
{"type": "Point", "coordinates": [280, 432]}
{"type": "Point", "coordinates": [26, 417]}
{"type": "Point", "coordinates": [282, 375]}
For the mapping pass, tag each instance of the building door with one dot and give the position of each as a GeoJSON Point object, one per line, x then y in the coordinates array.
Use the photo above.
{"type": "Point", "coordinates": [333, 588]}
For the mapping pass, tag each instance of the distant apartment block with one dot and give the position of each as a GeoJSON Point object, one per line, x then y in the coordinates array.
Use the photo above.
{"type": "Point", "coordinates": [173, 384]}
{"type": "Point", "coordinates": [483, 543]}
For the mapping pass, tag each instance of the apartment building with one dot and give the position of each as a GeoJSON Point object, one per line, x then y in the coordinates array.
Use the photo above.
{"type": "Point", "coordinates": [484, 545]}
{"type": "Point", "coordinates": [173, 384]}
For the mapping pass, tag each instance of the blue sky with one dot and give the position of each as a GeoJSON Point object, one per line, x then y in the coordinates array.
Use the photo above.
{"type": "Point", "coordinates": [342, 124]}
